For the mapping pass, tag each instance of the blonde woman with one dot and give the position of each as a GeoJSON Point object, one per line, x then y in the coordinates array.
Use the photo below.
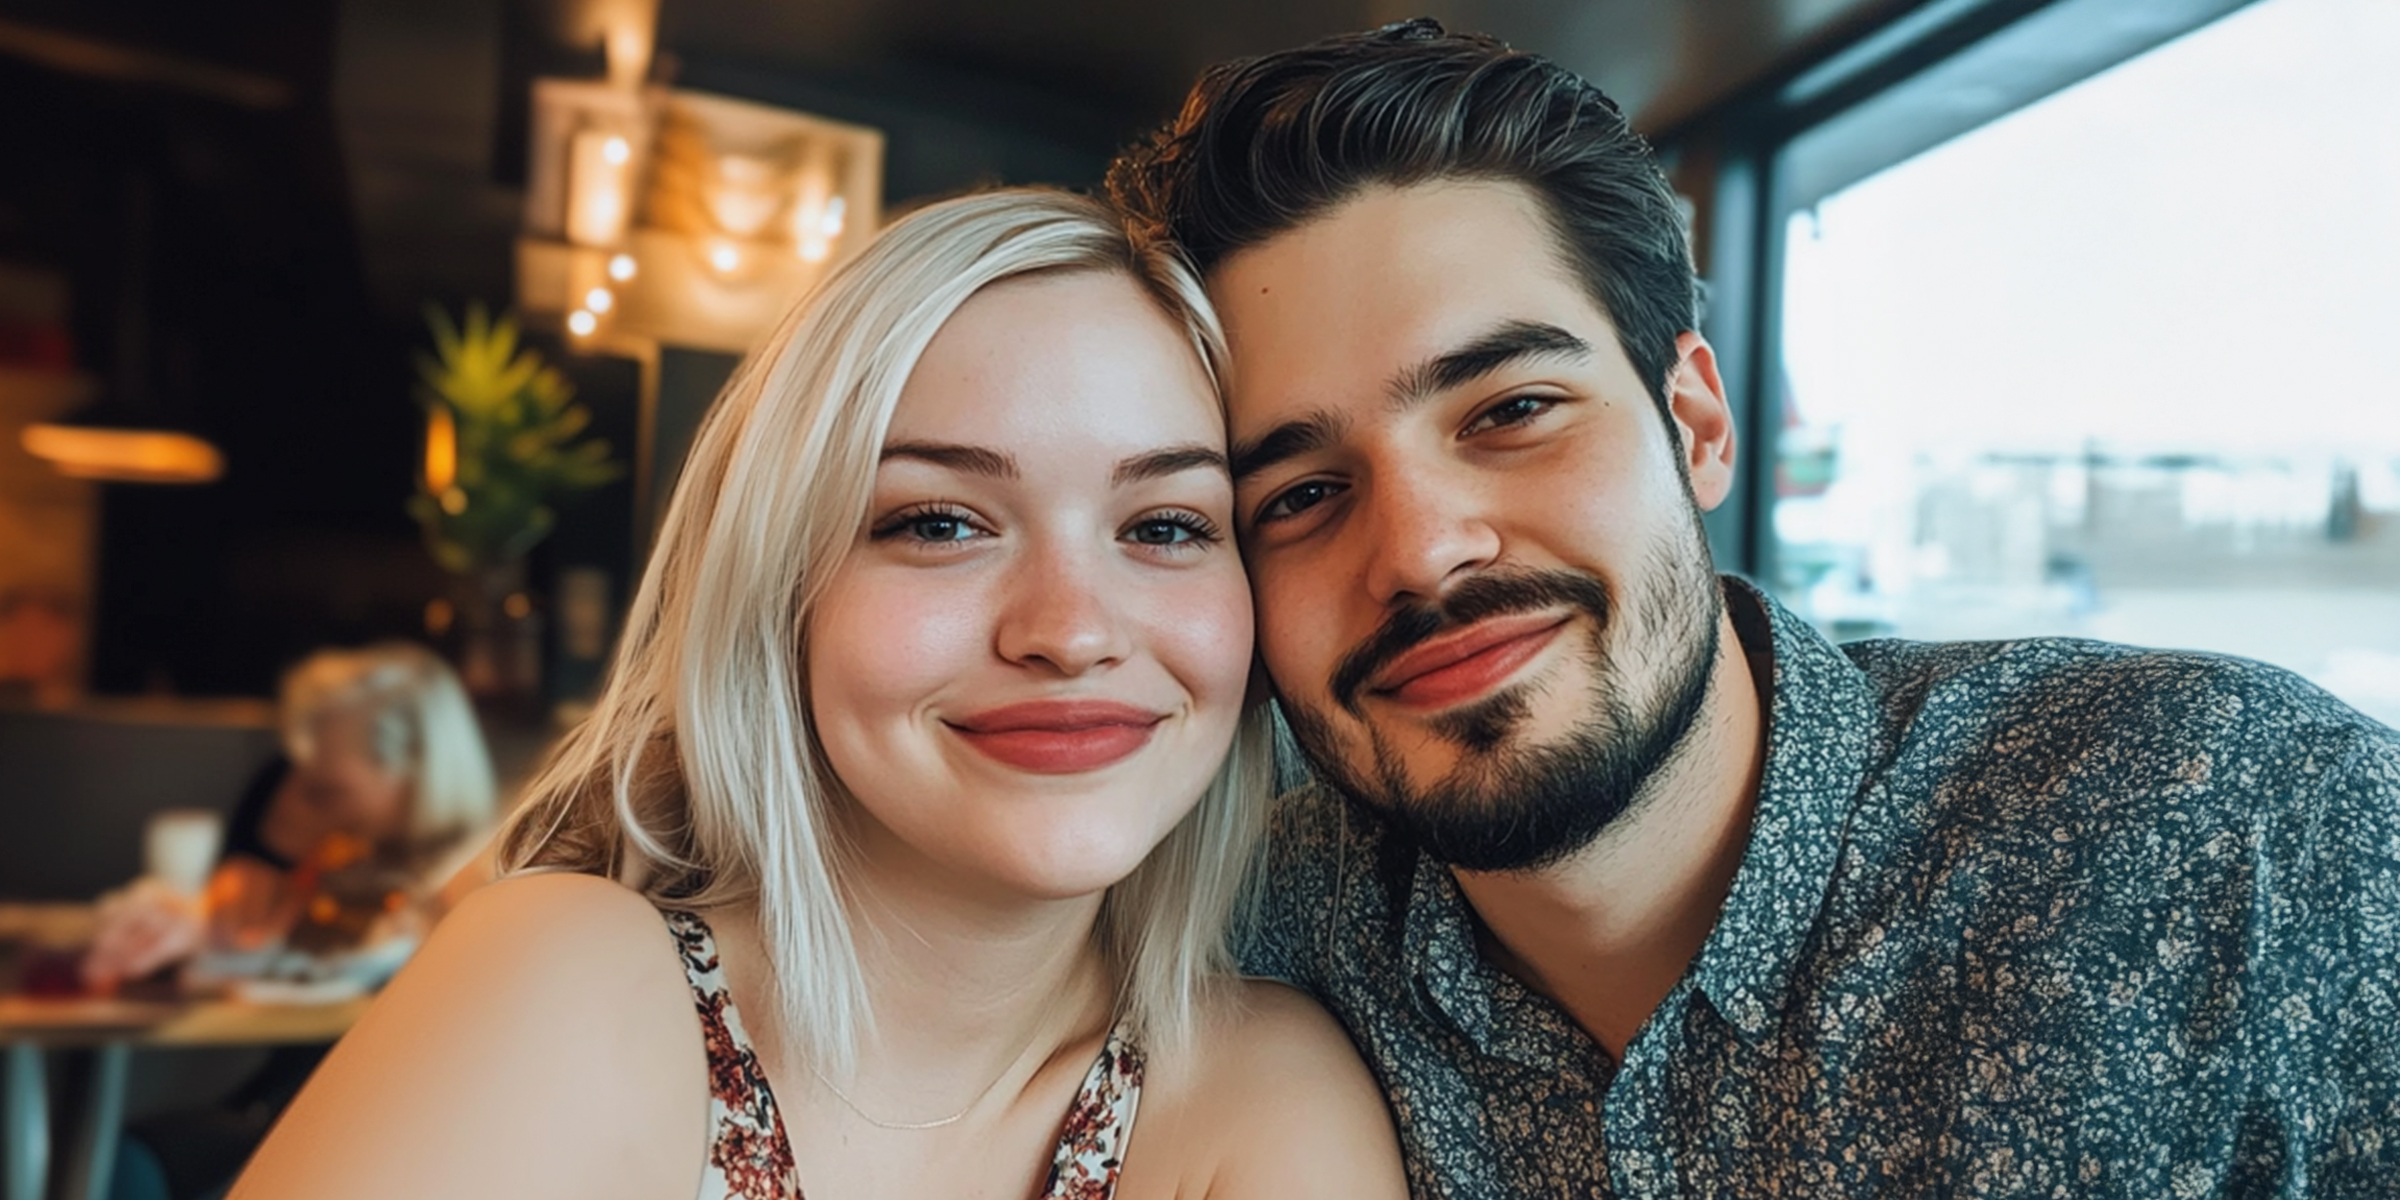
{"type": "Point", "coordinates": [896, 859]}
{"type": "Point", "coordinates": [382, 760]}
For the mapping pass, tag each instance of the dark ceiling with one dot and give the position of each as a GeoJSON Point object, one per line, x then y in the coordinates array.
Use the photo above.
{"type": "Point", "coordinates": [428, 97]}
{"type": "Point", "coordinates": [251, 204]}
{"type": "Point", "coordinates": [1663, 59]}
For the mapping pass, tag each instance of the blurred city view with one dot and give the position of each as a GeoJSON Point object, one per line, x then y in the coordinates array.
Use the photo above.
{"type": "Point", "coordinates": [2124, 364]}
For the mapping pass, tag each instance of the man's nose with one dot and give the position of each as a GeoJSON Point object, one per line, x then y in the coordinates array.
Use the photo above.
{"type": "Point", "coordinates": [1059, 614]}
{"type": "Point", "coordinates": [1423, 529]}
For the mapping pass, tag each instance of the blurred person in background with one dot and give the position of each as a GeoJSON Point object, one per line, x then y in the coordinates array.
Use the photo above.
{"type": "Point", "coordinates": [357, 837]}
{"type": "Point", "coordinates": [383, 769]}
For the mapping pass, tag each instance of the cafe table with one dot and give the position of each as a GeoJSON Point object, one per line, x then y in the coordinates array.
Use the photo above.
{"type": "Point", "coordinates": [33, 1029]}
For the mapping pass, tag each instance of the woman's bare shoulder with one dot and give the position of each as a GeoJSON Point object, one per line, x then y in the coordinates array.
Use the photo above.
{"type": "Point", "coordinates": [584, 915]}
{"type": "Point", "coordinates": [542, 1043]}
{"type": "Point", "coordinates": [1270, 1100]}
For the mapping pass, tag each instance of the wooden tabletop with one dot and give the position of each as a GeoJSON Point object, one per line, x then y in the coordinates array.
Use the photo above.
{"type": "Point", "coordinates": [96, 1022]}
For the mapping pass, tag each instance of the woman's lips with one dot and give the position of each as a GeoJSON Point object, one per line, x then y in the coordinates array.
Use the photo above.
{"type": "Point", "coordinates": [1468, 664]}
{"type": "Point", "coordinates": [1059, 737]}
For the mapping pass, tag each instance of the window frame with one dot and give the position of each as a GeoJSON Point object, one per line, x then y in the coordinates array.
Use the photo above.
{"type": "Point", "coordinates": [1933, 71]}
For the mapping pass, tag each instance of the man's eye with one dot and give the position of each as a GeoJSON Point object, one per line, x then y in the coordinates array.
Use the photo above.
{"type": "Point", "coordinates": [1297, 499]}
{"type": "Point", "coordinates": [1516, 410]}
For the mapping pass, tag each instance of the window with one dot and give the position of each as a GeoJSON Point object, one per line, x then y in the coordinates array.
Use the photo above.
{"type": "Point", "coordinates": [2123, 363]}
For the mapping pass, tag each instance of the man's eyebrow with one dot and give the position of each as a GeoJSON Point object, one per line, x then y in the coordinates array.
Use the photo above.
{"type": "Point", "coordinates": [974, 460]}
{"type": "Point", "coordinates": [1510, 343]}
{"type": "Point", "coordinates": [1291, 439]}
{"type": "Point", "coordinates": [1158, 464]}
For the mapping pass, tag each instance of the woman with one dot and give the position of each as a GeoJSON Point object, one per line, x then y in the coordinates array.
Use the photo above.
{"type": "Point", "coordinates": [919, 739]}
{"type": "Point", "coordinates": [383, 768]}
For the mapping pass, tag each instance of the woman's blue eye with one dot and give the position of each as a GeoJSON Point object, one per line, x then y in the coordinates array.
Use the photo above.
{"type": "Point", "coordinates": [934, 527]}
{"type": "Point", "coordinates": [928, 527]}
{"type": "Point", "coordinates": [1177, 528]}
{"type": "Point", "coordinates": [1161, 532]}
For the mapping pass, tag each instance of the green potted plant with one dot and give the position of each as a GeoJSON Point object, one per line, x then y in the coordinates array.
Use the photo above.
{"type": "Point", "coordinates": [505, 444]}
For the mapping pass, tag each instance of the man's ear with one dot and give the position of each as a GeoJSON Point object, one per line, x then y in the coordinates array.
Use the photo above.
{"type": "Point", "coordinates": [1703, 420]}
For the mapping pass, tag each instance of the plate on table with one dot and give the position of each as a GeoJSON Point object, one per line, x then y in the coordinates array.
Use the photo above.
{"type": "Point", "coordinates": [296, 991]}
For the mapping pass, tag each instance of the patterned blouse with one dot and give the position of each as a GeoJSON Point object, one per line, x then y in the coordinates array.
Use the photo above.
{"type": "Point", "coordinates": [750, 1158]}
{"type": "Point", "coordinates": [2039, 918]}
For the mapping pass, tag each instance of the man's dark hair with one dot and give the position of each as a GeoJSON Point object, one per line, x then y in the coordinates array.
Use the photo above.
{"type": "Point", "coordinates": [1264, 145]}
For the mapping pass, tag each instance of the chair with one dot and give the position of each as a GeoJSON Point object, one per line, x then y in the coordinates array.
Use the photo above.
{"type": "Point", "coordinates": [77, 786]}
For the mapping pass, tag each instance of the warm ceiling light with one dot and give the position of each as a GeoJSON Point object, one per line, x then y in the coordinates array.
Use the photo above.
{"type": "Point", "coordinates": [616, 150]}
{"type": "Point", "coordinates": [621, 268]}
{"type": "Point", "coordinates": [835, 210]}
{"type": "Point", "coordinates": [724, 257]}
{"type": "Point", "coordinates": [124, 455]}
{"type": "Point", "coordinates": [581, 323]}
{"type": "Point", "coordinates": [599, 300]}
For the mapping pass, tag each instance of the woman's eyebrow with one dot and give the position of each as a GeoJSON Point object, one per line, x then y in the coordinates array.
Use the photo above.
{"type": "Point", "coordinates": [1157, 464]}
{"type": "Point", "coordinates": [973, 460]}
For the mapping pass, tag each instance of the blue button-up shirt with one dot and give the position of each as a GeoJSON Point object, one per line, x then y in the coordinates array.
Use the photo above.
{"type": "Point", "coordinates": [2038, 918]}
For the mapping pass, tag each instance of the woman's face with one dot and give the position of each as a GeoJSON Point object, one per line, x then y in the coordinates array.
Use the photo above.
{"type": "Point", "coordinates": [1035, 657]}
{"type": "Point", "coordinates": [342, 788]}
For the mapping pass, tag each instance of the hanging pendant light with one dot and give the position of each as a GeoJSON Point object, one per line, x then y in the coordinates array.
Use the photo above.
{"type": "Point", "coordinates": [118, 440]}
{"type": "Point", "coordinates": [96, 444]}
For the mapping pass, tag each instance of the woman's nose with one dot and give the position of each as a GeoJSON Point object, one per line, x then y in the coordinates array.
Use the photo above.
{"type": "Point", "coordinates": [1059, 615]}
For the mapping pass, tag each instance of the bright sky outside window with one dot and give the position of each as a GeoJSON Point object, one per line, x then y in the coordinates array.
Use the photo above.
{"type": "Point", "coordinates": [2123, 364]}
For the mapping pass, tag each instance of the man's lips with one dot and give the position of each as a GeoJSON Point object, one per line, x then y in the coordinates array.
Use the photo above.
{"type": "Point", "coordinates": [1460, 666]}
{"type": "Point", "coordinates": [1057, 737]}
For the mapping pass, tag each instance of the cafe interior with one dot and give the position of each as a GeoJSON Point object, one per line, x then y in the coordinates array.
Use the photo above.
{"type": "Point", "coordinates": [352, 341]}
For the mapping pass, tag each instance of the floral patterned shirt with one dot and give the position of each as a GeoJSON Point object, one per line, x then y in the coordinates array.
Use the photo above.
{"type": "Point", "coordinates": [750, 1158]}
{"type": "Point", "coordinates": [2037, 918]}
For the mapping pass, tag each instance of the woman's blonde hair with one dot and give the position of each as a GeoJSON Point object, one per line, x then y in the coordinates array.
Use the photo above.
{"type": "Point", "coordinates": [698, 779]}
{"type": "Point", "coordinates": [418, 722]}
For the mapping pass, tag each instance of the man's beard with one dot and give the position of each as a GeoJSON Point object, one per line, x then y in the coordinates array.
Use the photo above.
{"type": "Point", "coordinates": [1507, 805]}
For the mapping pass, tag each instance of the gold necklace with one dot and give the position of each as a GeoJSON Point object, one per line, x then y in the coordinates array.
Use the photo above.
{"type": "Point", "coordinates": [952, 1119]}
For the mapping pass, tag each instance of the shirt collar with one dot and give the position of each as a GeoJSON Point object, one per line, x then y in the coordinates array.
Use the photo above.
{"type": "Point", "coordinates": [1820, 729]}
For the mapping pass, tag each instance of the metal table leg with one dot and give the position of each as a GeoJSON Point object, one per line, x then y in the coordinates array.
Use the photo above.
{"type": "Point", "coordinates": [28, 1121]}
{"type": "Point", "coordinates": [94, 1157]}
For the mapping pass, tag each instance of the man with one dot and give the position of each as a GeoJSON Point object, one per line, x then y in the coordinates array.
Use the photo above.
{"type": "Point", "coordinates": [1625, 880]}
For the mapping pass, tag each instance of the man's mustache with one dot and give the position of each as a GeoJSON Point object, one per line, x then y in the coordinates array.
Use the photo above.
{"type": "Point", "coordinates": [1487, 594]}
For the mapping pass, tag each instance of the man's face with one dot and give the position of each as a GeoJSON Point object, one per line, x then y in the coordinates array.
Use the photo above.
{"type": "Point", "coordinates": [1483, 593]}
